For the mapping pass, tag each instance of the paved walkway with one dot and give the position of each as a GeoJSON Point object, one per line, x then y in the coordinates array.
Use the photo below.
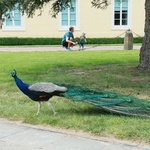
{"type": "Point", "coordinates": [19, 136]}
{"type": "Point", "coordinates": [59, 48]}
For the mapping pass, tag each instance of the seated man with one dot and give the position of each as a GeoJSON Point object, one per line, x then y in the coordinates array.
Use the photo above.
{"type": "Point", "coordinates": [68, 39]}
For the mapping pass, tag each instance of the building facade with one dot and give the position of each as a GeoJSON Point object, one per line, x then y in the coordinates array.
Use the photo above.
{"type": "Point", "coordinates": [113, 21]}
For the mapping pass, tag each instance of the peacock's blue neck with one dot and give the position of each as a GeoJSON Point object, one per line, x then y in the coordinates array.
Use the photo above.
{"type": "Point", "coordinates": [21, 85]}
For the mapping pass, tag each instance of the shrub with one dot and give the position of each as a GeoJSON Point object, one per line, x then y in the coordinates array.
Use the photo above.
{"type": "Point", "coordinates": [10, 41]}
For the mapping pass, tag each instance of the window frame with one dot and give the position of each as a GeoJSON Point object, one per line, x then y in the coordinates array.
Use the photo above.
{"type": "Point", "coordinates": [128, 26]}
{"type": "Point", "coordinates": [77, 27]}
{"type": "Point", "coordinates": [13, 27]}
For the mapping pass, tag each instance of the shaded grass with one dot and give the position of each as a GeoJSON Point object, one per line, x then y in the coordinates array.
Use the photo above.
{"type": "Point", "coordinates": [108, 70]}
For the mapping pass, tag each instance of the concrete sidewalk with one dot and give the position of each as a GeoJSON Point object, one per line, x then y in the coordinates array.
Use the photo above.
{"type": "Point", "coordinates": [18, 136]}
{"type": "Point", "coordinates": [59, 48]}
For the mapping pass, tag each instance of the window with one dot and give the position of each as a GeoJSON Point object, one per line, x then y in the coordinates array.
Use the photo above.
{"type": "Point", "coordinates": [121, 14]}
{"type": "Point", "coordinates": [13, 19]}
{"type": "Point", "coordinates": [70, 16]}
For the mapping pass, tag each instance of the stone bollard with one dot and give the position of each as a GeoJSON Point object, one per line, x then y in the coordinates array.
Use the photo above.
{"type": "Point", "coordinates": [128, 40]}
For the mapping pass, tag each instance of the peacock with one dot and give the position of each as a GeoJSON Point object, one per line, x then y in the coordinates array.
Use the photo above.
{"type": "Point", "coordinates": [109, 101]}
{"type": "Point", "coordinates": [39, 92]}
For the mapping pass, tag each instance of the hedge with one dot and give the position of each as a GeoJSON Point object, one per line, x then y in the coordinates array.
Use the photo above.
{"type": "Point", "coordinates": [13, 41]}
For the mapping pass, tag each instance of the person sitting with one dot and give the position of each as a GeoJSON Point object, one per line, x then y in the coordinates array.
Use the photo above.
{"type": "Point", "coordinates": [68, 39]}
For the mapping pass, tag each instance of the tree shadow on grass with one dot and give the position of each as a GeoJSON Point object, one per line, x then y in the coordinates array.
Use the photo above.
{"type": "Point", "coordinates": [95, 111]}
{"type": "Point", "coordinates": [89, 111]}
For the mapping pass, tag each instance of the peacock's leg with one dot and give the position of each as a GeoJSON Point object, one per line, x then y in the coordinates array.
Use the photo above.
{"type": "Point", "coordinates": [50, 105]}
{"type": "Point", "coordinates": [39, 108]}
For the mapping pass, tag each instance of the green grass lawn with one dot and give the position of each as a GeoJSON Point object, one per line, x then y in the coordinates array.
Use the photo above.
{"type": "Point", "coordinates": [106, 70]}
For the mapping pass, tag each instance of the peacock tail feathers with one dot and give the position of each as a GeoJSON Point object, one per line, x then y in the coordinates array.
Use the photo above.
{"type": "Point", "coordinates": [111, 102]}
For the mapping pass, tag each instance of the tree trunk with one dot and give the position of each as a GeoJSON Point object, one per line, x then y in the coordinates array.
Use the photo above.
{"type": "Point", "coordinates": [145, 49]}
{"type": "Point", "coordinates": [1, 23]}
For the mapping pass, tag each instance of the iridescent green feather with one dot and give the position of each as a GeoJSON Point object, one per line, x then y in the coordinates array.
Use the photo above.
{"type": "Point", "coordinates": [112, 102]}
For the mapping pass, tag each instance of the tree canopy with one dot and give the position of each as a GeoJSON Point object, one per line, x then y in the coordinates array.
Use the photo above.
{"type": "Point", "coordinates": [30, 6]}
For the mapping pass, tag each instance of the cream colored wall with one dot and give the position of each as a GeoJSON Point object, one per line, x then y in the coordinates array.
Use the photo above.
{"type": "Point", "coordinates": [138, 16]}
{"type": "Point", "coordinates": [95, 22]}
{"type": "Point", "coordinates": [38, 26]}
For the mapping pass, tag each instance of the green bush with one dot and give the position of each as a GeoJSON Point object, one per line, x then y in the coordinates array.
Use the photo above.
{"type": "Point", "coordinates": [30, 41]}
{"type": "Point", "coordinates": [105, 40]}
{"type": "Point", "coordinates": [10, 41]}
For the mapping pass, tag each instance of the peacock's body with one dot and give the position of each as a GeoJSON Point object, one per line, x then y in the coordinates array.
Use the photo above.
{"type": "Point", "coordinates": [39, 92]}
{"type": "Point", "coordinates": [112, 102]}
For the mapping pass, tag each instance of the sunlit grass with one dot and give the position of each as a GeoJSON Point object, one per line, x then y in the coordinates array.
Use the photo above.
{"type": "Point", "coordinates": [106, 70]}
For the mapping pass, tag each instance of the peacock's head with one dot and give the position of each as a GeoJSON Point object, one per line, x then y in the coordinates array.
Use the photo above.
{"type": "Point", "coordinates": [13, 73]}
